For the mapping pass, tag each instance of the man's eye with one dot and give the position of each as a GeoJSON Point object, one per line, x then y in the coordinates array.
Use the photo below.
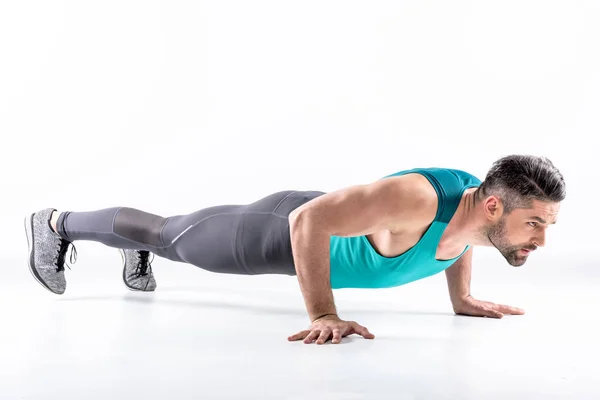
{"type": "Point", "coordinates": [534, 224]}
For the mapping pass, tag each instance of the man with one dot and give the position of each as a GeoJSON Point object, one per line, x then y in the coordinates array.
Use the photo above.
{"type": "Point", "coordinates": [401, 228]}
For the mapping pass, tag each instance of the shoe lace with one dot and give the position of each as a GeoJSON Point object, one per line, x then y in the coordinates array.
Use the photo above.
{"type": "Point", "coordinates": [144, 264]}
{"type": "Point", "coordinates": [62, 251]}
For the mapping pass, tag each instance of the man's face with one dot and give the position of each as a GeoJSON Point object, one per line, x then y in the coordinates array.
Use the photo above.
{"type": "Point", "coordinates": [522, 231]}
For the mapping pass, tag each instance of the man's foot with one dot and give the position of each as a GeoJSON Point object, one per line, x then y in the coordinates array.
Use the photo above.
{"type": "Point", "coordinates": [137, 270]}
{"type": "Point", "coordinates": [47, 250]}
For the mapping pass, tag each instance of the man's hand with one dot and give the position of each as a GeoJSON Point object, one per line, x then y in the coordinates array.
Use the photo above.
{"type": "Point", "coordinates": [330, 326]}
{"type": "Point", "coordinates": [478, 308]}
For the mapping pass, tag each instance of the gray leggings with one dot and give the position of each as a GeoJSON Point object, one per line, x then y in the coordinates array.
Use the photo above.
{"type": "Point", "coordinates": [244, 239]}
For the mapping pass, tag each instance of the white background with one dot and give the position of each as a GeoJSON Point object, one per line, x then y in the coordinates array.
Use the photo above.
{"type": "Point", "coordinates": [172, 106]}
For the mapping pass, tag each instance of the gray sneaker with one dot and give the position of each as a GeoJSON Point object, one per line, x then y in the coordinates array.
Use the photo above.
{"type": "Point", "coordinates": [137, 270]}
{"type": "Point", "coordinates": [47, 251]}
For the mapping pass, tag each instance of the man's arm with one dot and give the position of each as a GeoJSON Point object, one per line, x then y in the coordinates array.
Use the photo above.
{"type": "Point", "coordinates": [458, 276]}
{"type": "Point", "coordinates": [353, 211]}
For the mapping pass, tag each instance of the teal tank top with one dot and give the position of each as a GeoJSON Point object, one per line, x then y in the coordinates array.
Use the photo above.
{"type": "Point", "coordinates": [354, 263]}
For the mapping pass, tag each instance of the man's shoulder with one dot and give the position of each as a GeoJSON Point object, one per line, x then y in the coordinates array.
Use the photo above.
{"type": "Point", "coordinates": [416, 195]}
{"type": "Point", "coordinates": [440, 178]}
{"type": "Point", "coordinates": [432, 189]}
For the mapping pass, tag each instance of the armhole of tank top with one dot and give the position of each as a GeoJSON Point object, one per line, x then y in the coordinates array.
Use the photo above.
{"type": "Point", "coordinates": [438, 190]}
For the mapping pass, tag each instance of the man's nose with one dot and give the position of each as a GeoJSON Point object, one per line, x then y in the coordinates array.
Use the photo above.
{"type": "Point", "coordinates": [540, 239]}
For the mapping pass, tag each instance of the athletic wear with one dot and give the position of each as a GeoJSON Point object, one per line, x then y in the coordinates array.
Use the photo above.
{"type": "Point", "coordinates": [47, 252]}
{"type": "Point", "coordinates": [254, 238]}
{"type": "Point", "coordinates": [243, 239]}
{"type": "Point", "coordinates": [356, 264]}
{"type": "Point", "coordinates": [137, 270]}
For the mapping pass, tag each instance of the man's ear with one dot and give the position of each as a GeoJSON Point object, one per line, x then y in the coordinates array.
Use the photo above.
{"type": "Point", "coordinates": [493, 208]}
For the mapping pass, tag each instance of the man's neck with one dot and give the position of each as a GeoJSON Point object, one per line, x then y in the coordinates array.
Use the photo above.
{"type": "Point", "coordinates": [465, 227]}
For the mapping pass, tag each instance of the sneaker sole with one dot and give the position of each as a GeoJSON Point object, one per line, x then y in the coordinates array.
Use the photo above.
{"type": "Point", "coordinates": [29, 234]}
{"type": "Point", "coordinates": [124, 275]}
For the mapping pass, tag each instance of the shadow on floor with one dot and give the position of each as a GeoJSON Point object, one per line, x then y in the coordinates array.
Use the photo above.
{"type": "Point", "coordinates": [150, 299]}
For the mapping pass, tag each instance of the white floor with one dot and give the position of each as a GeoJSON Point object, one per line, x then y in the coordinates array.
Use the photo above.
{"type": "Point", "coordinates": [208, 336]}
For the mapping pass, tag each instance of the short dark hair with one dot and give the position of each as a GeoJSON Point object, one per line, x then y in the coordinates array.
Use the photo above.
{"type": "Point", "coordinates": [520, 179]}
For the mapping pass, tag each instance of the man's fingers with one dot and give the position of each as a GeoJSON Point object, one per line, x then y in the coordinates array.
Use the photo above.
{"type": "Point", "coordinates": [481, 311]}
{"type": "Point", "coordinates": [487, 309]}
{"type": "Point", "coordinates": [312, 336]}
{"type": "Point", "coordinates": [509, 309]}
{"type": "Point", "coordinates": [324, 336]}
{"type": "Point", "coordinates": [299, 335]}
{"type": "Point", "coordinates": [361, 330]}
{"type": "Point", "coordinates": [337, 336]}
{"type": "Point", "coordinates": [488, 312]}
{"type": "Point", "coordinates": [504, 308]}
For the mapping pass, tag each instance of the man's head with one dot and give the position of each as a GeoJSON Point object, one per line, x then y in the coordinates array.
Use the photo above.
{"type": "Point", "coordinates": [520, 196]}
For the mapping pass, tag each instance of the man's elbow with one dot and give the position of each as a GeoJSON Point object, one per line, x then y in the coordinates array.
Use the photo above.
{"type": "Point", "coordinates": [301, 220]}
{"type": "Point", "coordinates": [307, 226]}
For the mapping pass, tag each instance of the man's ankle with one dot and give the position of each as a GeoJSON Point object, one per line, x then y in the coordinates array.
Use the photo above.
{"type": "Point", "coordinates": [54, 220]}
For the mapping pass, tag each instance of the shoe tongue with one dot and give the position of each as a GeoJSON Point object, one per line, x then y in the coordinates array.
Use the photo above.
{"type": "Point", "coordinates": [143, 256]}
{"type": "Point", "coordinates": [62, 251]}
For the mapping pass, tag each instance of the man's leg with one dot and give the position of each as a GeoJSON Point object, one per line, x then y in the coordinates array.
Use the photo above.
{"type": "Point", "coordinates": [241, 239]}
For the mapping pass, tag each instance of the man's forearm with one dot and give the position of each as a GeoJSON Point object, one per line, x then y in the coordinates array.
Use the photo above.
{"type": "Point", "coordinates": [459, 278]}
{"type": "Point", "coordinates": [310, 248]}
